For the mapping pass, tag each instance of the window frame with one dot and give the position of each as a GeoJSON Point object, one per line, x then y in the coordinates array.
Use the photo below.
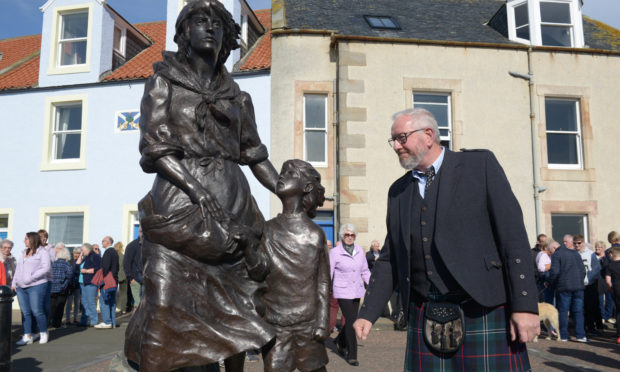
{"type": "Point", "coordinates": [54, 61]}
{"type": "Point", "coordinates": [324, 163]}
{"type": "Point", "coordinates": [123, 41]}
{"type": "Point", "coordinates": [46, 212]}
{"type": "Point", "coordinates": [448, 107]}
{"type": "Point", "coordinates": [569, 25]}
{"type": "Point", "coordinates": [535, 22]}
{"type": "Point", "coordinates": [48, 162]}
{"type": "Point", "coordinates": [579, 136]}
{"type": "Point", "coordinates": [130, 212]}
{"type": "Point", "coordinates": [381, 18]}
{"type": "Point", "coordinates": [585, 218]}
{"type": "Point", "coordinates": [8, 212]}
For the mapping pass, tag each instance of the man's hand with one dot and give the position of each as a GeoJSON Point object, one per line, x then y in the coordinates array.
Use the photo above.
{"type": "Point", "coordinates": [525, 325]}
{"type": "Point", "coordinates": [362, 328]}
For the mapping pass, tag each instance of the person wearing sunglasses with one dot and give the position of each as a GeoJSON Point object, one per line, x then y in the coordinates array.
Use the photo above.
{"type": "Point", "coordinates": [349, 272]}
{"type": "Point", "coordinates": [456, 245]}
{"type": "Point", "coordinates": [591, 310]}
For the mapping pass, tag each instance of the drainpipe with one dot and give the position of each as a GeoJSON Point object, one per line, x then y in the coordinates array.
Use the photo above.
{"type": "Point", "coordinates": [537, 187]}
{"type": "Point", "coordinates": [336, 131]}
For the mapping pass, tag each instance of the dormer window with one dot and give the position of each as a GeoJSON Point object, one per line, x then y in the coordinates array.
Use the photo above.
{"type": "Point", "coordinates": [73, 38]}
{"type": "Point", "coordinates": [522, 22]}
{"type": "Point", "coordinates": [555, 24]}
{"type": "Point", "coordinates": [546, 22]}
{"type": "Point", "coordinates": [119, 40]}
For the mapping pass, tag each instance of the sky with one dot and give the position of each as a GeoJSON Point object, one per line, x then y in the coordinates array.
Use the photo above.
{"type": "Point", "coordinates": [22, 17]}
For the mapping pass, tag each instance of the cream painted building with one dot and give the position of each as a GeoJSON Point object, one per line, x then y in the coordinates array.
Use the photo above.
{"type": "Point", "coordinates": [338, 73]}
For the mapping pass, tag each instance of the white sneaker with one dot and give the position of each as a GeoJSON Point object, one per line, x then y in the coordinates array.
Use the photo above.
{"type": "Point", "coordinates": [44, 338]}
{"type": "Point", "coordinates": [26, 340]}
{"type": "Point", "coordinates": [583, 339]}
{"type": "Point", "coordinates": [611, 320]}
{"type": "Point", "coordinates": [103, 326]}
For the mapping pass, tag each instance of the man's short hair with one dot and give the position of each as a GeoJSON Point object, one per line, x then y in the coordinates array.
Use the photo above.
{"type": "Point", "coordinates": [613, 237]}
{"type": "Point", "coordinates": [615, 251]}
{"type": "Point", "coordinates": [421, 118]}
{"type": "Point", "coordinates": [578, 237]}
{"type": "Point", "coordinates": [540, 236]}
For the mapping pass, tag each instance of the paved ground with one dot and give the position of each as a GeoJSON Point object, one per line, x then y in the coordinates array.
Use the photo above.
{"type": "Point", "coordinates": [90, 350]}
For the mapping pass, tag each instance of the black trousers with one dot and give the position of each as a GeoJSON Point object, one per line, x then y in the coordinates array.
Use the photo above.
{"type": "Point", "coordinates": [591, 308]}
{"type": "Point", "coordinates": [57, 308]}
{"type": "Point", "coordinates": [346, 338]}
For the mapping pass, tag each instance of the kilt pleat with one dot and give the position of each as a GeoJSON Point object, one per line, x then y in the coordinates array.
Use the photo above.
{"type": "Point", "coordinates": [486, 346]}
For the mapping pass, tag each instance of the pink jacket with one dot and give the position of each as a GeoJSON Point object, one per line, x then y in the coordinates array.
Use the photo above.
{"type": "Point", "coordinates": [348, 271]}
{"type": "Point", "coordinates": [33, 270]}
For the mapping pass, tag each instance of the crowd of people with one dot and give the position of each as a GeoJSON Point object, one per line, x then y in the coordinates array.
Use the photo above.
{"type": "Point", "coordinates": [580, 280]}
{"type": "Point", "coordinates": [51, 282]}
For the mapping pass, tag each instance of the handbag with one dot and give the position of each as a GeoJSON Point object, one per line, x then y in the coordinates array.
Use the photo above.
{"type": "Point", "coordinates": [108, 281]}
{"type": "Point", "coordinates": [444, 325]}
{"type": "Point", "coordinates": [97, 278]}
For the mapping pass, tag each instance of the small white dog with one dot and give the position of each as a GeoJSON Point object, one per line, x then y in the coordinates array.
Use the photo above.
{"type": "Point", "coordinates": [548, 314]}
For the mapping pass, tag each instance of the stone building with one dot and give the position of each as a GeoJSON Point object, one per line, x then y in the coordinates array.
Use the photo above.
{"type": "Point", "coordinates": [534, 81]}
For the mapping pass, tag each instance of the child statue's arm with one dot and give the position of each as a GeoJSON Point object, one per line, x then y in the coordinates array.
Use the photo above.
{"type": "Point", "coordinates": [321, 331]}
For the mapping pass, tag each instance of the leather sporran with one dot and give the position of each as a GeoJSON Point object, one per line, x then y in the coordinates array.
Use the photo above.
{"type": "Point", "coordinates": [444, 325]}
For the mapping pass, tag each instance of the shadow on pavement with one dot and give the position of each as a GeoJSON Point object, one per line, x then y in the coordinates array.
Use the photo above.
{"type": "Point", "coordinates": [590, 356]}
{"type": "Point", "coordinates": [566, 368]}
{"type": "Point", "coordinates": [26, 364]}
{"type": "Point", "coordinates": [56, 333]}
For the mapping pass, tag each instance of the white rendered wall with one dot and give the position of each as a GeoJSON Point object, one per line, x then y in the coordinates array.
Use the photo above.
{"type": "Point", "coordinates": [112, 178]}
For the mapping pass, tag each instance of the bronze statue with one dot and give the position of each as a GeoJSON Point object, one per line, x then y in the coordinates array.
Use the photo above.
{"type": "Point", "coordinates": [293, 260]}
{"type": "Point", "coordinates": [199, 304]}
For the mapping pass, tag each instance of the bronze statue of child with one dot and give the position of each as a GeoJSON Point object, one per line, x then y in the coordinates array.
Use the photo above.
{"type": "Point", "coordinates": [292, 258]}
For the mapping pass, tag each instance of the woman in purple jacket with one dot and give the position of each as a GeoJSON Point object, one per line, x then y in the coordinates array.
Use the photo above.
{"type": "Point", "coordinates": [30, 282]}
{"type": "Point", "coordinates": [349, 272]}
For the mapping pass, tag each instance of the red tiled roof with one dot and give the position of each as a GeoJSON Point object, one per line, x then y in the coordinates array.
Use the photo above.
{"type": "Point", "coordinates": [141, 66]}
{"type": "Point", "coordinates": [19, 67]}
{"type": "Point", "coordinates": [260, 55]}
{"type": "Point", "coordinates": [21, 56]}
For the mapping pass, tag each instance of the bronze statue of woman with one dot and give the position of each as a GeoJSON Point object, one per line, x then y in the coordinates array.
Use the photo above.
{"type": "Point", "coordinates": [199, 305]}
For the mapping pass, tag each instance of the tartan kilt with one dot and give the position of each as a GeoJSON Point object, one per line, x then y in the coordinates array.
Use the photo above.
{"type": "Point", "coordinates": [486, 346]}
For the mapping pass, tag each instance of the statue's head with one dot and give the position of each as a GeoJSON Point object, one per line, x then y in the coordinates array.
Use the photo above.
{"type": "Point", "coordinates": [209, 9]}
{"type": "Point", "coordinates": [298, 177]}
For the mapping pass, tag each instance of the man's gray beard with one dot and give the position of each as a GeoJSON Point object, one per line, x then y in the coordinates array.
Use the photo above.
{"type": "Point", "coordinates": [411, 162]}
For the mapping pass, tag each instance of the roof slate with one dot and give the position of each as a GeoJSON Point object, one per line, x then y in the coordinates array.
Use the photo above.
{"type": "Point", "coordinates": [440, 20]}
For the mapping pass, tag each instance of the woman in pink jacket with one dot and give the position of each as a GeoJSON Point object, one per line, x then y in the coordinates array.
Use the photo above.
{"type": "Point", "coordinates": [30, 282]}
{"type": "Point", "coordinates": [349, 272]}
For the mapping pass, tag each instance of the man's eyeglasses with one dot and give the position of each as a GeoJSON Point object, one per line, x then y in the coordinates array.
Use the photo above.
{"type": "Point", "coordinates": [578, 242]}
{"type": "Point", "coordinates": [402, 138]}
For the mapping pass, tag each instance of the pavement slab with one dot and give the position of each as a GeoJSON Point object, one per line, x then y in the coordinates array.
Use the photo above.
{"type": "Point", "coordinates": [91, 350]}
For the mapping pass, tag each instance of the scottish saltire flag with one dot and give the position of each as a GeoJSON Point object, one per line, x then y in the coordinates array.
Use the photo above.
{"type": "Point", "coordinates": [127, 121]}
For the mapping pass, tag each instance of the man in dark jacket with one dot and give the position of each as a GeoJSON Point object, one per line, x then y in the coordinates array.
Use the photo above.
{"type": "Point", "coordinates": [567, 274]}
{"type": "Point", "coordinates": [133, 267]}
{"type": "Point", "coordinates": [109, 266]}
{"type": "Point", "coordinates": [455, 240]}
